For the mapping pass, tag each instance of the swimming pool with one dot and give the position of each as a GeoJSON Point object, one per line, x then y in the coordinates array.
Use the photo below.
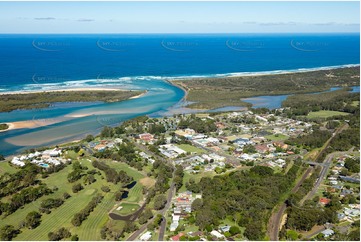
{"type": "Point", "coordinates": [44, 165]}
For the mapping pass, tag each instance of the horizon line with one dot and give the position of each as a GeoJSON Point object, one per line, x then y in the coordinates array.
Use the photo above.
{"type": "Point", "coordinates": [196, 33]}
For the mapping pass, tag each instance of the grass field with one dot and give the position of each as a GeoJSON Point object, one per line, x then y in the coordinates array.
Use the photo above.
{"type": "Point", "coordinates": [191, 148]}
{"type": "Point", "coordinates": [5, 167]}
{"type": "Point", "coordinates": [128, 208]}
{"type": "Point", "coordinates": [277, 137]}
{"type": "Point", "coordinates": [62, 216]}
{"type": "Point", "coordinates": [355, 103]}
{"type": "Point", "coordinates": [325, 114]}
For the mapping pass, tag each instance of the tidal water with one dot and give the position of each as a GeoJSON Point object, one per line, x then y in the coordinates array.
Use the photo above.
{"type": "Point", "coordinates": [143, 62]}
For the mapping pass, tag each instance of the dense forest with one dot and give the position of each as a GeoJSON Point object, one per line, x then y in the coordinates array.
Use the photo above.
{"type": "Point", "coordinates": [10, 102]}
{"type": "Point", "coordinates": [340, 100]}
{"type": "Point", "coordinates": [247, 196]}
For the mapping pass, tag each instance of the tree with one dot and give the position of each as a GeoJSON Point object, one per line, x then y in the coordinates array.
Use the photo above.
{"type": "Point", "coordinates": [234, 230]}
{"type": "Point", "coordinates": [107, 132]}
{"type": "Point", "coordinates": [197, 204]}
{"type": "Point", "coordinates": [159, 202]}
{"type": "Point", "coordinates": [77, 187]}
{"type": "Point", "coordinates": [66, 195]}
{"type": "Point", "coordinates": [32, 220]}
{"type": "Point", "coordinates": [158, 220]}
{"type": "Point", "coordinates": [292, 235]}
{"type": "Point", "coordinates": [74, 237]}
{"type": "Point", "coordinates": [64, 233]}
{"type": "Point", "coordinates": [353, 165]}
{"type": "Point", "coordinates": [8, 232]}
{"type": "Point", "coordinates": [89, 138]}
{"type": "Point", "coordinates": [254, 231]}
{"type": "Point", "coordinates": [119, 195]}
{"type": "Point", "coordinates": [89, 179]}
{"type": "Point", "coordinates": [105, 189]}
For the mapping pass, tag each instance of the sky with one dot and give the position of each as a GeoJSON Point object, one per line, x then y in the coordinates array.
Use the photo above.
{"type": "Point", "coordinates": [179, 17]}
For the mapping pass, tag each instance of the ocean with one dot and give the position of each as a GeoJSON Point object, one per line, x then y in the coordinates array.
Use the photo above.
{"type": "Point", "coordinates": [142, 62]}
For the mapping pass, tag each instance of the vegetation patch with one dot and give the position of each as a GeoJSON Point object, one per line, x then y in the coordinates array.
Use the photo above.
{"type": "Point", "coordinates": [191, 149]}
{"type": "Point", "coordinates": [277, 137]}
{"type": "Point", "coordinates": [10, 102]}
{"type": "Point", "coordinates": [208, 93]}
{"type": "Point", "coordinates": [147, 182]}
{"type": "Point", "coordinates": [325, 114]}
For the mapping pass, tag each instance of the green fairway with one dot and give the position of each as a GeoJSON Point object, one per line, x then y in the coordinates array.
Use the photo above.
{"type": "Point", "coordinates": [62, 216]}
{"type": "Point", "coordinates": [135, 194]}
{"type": "Point", "coordinates": [191, 148]}
{"type": "Point", "coordinates": [6, 167]}
{"type": "Point", "coordinates": [277, 137]}
{"type": "Point", "coordinates": [127, 208]}
{"type": "Point", "coordinates": [325, 114]}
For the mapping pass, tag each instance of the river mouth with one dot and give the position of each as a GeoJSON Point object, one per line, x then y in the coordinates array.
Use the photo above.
{"type": "Point", "coordinates": [54, 125]}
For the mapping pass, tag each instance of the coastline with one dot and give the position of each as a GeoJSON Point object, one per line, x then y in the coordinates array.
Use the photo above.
{"type": "Point", "coordinates": [28, 124]}
{"type": "Point", "coordinates": [261, 73]}
{"type": "Point", "coordinates": [66, 90]}
{"type": "Point", "coordinates": [202, 83]}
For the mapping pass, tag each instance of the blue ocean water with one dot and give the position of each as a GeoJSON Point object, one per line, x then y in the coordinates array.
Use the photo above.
{"type": "Point", "coordinates": [142, 62]}
{"type": "Point", "coordinates": [29, 61]}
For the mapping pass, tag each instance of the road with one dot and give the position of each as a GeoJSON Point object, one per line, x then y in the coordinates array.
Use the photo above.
{"type": "Point", "coordinates": [276, 218]}
{"type": "Point", "coordinates": [163, 225]}
{"type": "Point", "coordinates": [171, 192]}
{"type": "Point", "coordinates": [323, 173]}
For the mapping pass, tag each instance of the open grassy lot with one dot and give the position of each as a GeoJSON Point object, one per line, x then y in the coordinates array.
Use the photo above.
{"type": "Point", "coordinates": [127, 208]}
{"type": "Point", "coordinates": [6, 167]}
{"type": "Point", "coordinates": [62, 216]}
{"type": "Point", "coordinates": [277, 137]}
{"type": "Point", "coordinates": [355, 103]}
{"type": "Point", "coordinates": [191, 148]}
{"type": "Point", "coordinates": [325, 114]}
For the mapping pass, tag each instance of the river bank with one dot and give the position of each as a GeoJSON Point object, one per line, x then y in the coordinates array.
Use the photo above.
{"type": "Point", "coordinates": [219, 92]}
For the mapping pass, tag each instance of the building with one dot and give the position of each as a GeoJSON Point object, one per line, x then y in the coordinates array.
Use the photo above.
{"type": "Point", "coordinates": [176, 237]}
{"type": "Point", "coordinates": [328, 232]}
{"type": "Point", "coordinates": [146, 236]}
{"type": "Point", "coordinates": [225, 228]}
{"type": "Point", "coordinates": [324, 200]}
{"type": "Point", "coordinates": [146, 137]}
{"type": "Point", "coordinates": [217, 234]}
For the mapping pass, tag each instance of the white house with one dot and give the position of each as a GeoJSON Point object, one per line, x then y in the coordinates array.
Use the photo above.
{"type": "Point", "coordinates": [146, 236]}
{"type": "Point", "coordinates": [217, 234]}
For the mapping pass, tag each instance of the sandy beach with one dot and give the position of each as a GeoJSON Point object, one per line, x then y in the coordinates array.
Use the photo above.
{"type": "Point", "coordinates": [67, 90]}
{"type": "Point", "coordinates": [35, 123]}
{"type": "Point", "coordinates": [28, 124]}
{"type": "Point", "coordinates": [138, 96]}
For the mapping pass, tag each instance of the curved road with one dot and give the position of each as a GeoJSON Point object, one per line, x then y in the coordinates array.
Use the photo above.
{"type": "Point", "coordinates": [276, 218]}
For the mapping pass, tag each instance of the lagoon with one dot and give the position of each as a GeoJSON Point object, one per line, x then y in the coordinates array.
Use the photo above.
{"type": "Point", "coordinates": [273, 102]}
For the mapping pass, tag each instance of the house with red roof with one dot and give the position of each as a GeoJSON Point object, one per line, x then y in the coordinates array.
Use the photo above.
{"type": "Point", "coordinates": [324, 200]}
{"type": "Point", "coordinates": [176, 237]}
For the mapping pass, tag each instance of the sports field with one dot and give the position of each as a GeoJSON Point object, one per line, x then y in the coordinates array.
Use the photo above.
{"type": "Point", "coordinates": [325, 114]}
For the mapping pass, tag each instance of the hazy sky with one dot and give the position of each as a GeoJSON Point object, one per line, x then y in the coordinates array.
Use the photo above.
{"type": "Point", "coordinates": [178, 17]}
